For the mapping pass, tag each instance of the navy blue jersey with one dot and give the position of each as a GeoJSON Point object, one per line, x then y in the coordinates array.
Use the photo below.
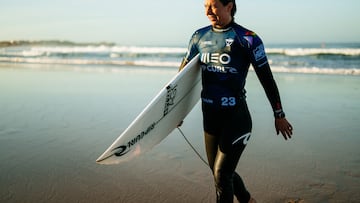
{"type": "Point", "coordinates": [225, 58]}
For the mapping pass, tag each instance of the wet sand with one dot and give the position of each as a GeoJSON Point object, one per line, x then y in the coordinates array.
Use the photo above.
{"type": "Point", "coordinates": [55, 123]}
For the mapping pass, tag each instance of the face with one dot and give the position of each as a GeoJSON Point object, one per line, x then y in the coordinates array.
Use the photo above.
{"type": "Point", "coordinates": [218, 14]}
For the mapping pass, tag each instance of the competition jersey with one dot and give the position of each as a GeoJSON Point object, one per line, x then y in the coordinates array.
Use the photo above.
{"type": "Point", "coordinates": [225, 58]}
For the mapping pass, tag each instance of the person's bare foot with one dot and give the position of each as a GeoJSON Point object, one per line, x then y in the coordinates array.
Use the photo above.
{"type": "Point", "coordinates": [252, 200]}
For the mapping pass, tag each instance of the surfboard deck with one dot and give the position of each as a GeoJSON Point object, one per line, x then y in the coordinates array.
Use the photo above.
{"type": "Point", "coordinates": [159, 118]}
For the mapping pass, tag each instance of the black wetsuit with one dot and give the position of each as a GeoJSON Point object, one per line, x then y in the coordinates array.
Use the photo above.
{"type": "Point", "coordinates": [225, 57]}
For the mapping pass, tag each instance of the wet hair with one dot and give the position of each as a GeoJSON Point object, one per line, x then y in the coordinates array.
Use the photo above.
{"type": "Point", "coordinates": [226, 2]}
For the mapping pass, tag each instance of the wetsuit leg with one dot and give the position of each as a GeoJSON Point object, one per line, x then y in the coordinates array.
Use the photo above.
{"type": "Point", "coordinates": [226, 135]}
{"type": "Point", "coordinates": [240, 192]}
{"type": "Point", "coordinates": [223, 165]}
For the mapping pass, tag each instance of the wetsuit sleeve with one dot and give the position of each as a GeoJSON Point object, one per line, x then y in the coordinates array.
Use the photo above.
{"type": "Point", "coordinates": [262, 68]}
{"type": "Point", "coordinates": [191, 52]}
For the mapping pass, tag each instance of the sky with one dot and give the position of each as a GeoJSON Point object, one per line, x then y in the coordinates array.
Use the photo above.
{"type": "Point", "coordinates": [170, 22]}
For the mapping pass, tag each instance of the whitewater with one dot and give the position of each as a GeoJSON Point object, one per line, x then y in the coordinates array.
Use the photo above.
{"type": "Point", "coordinates": [343, 59]}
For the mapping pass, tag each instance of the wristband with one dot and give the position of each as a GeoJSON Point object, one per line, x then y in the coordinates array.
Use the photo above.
{"type": "Point", "coordinates": [279, 114]}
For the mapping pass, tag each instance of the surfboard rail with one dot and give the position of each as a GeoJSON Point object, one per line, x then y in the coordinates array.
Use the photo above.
{"type": "Point", "coordinates": [159, 118]}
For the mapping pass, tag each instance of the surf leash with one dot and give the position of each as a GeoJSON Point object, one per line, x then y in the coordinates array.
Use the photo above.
{"type": "Point", "coordinates": [193, 148]}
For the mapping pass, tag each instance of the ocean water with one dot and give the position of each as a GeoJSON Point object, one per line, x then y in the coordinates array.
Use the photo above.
{"type": "Point", "coordinates": [317, 58]}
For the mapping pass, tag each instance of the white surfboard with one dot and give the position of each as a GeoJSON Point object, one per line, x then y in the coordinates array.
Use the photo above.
{"type": "Point", "coordinates": [159, 118]}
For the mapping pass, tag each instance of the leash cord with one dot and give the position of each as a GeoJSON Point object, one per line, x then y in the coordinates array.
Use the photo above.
{"type": "Point", "coordinates": [193, 148]}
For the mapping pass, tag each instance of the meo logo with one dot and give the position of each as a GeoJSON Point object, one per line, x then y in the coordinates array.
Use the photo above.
{"type": "Point", "coordinates": [216, 58]}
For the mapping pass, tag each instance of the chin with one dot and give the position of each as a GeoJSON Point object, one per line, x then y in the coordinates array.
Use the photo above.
{"type": "Point", "coordinates": [214, 23]}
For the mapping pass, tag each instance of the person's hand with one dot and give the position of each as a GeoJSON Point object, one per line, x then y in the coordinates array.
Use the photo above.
{"type": "Point", "coordinates": [180, 124]}
{"type": "Point", "coordinates": [284, 127]}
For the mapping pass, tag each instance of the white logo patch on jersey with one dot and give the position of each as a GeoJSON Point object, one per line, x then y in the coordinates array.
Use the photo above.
{"type": "Point", "coordinates": [206, 43]}
{"type": "Point", "coordinates": [229, 42]}
{"type": "Point", "coordinates": [259, 52]}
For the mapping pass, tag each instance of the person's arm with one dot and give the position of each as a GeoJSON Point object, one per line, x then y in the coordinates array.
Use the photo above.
{"type": "Point", "coordinates": [191, 52]}
{"type": "Point", "coordinates": [267, 81]}
{"type": "Point", "coordinates": [262, 68]}
{"type": "Point", "coordinates": [271, 90]}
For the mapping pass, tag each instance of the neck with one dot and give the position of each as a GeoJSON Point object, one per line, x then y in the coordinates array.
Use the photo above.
{"type": "Point", "coordinates": [225, 27]}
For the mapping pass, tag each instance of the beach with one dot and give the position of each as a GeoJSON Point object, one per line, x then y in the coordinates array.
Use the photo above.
{"type": "Point", "coordinates": [56, 120]}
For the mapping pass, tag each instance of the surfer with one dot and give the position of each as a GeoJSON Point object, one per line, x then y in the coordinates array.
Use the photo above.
{"type": "Point", "coordinates": [226, 51]}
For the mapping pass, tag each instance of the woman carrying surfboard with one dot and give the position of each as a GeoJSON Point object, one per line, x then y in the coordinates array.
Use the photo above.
{"type": "Point", "coordinates": [226, 51]}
